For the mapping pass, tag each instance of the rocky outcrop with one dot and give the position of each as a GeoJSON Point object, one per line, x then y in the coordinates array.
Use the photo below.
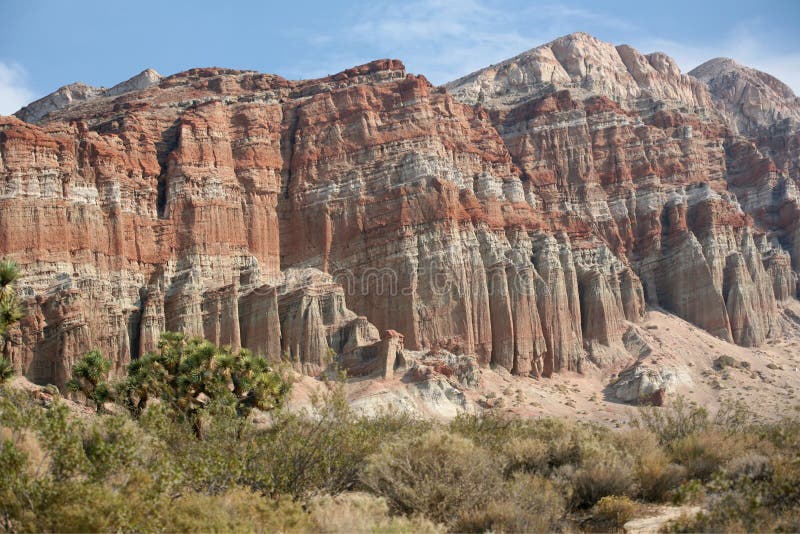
{"type": "Point", "coordinates": [76, 93]}
{"type": "Point", "coordinates": [315, 323]}
{"type": "Point", "coordinates": [622, 146]}
{"type": "Point", "coordinates": [753, 99]}
{"type": "Point", "coordinates": [586, 66]}
{"type": "Point", "coordinates": [521, 217]}
{"type": "Point", "coordinates": [642, 383]}
{"type": "Point", "coordinates": [59, 99]}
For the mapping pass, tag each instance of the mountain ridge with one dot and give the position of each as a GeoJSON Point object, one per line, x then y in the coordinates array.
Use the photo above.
{"type": "Point", "coordinates": [558, 194]}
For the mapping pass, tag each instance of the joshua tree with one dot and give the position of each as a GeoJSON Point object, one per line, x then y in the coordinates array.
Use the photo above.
{"type": "Point", "coordinates": [6, 370]}
{"type": "Point", "coordinates": [89, 377]}
{"type": "Point", "coordinates": [10, 310]}
{"type": "Point", "coordinates": [188, 373]}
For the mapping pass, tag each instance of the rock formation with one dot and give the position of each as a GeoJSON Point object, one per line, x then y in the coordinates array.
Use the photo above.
{"type": "Point", "coordinates": [624, 147]}
{"type": "Point", "coordinates": [524, 215]}
{"type": "Point", "coordinates": [754, 100]}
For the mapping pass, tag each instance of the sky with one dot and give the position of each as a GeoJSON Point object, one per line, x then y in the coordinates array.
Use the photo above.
{"type": "Point", "coordinates": [45, 44]}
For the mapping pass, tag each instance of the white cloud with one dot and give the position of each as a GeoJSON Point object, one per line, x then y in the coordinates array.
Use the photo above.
{"type": "Point", "coordinates": [14, 92]}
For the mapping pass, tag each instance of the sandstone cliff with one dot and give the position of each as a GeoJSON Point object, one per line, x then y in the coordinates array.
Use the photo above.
{"type": "Point", "coordinates": [649, 160]}
{"type": "Point", "coordinates": [753, 99]}
{"type": "Point", "coordinates": [525, 214]}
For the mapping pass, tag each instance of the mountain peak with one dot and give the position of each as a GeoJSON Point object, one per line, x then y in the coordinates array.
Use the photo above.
{"type": "Point", "coordinates": [143, 80]}
{"type": "Point", "coordinates": [753, 99]}
{"type": "Point", "coordinates": [77, 92]}
{"type": "Point", "coordinates": [586, 66]}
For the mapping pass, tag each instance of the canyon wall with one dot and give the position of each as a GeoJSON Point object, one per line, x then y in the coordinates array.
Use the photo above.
{"type": "Point", "coordinates": [524, 214]}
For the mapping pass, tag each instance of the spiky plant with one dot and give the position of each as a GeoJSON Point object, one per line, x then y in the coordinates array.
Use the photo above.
{"type": "Point", "coordinates": [10, 310]}
{"type": "Point", "coordinates": [9, 274]}
{"type": "Point", "coordinates": [6, 370]}
{"type": "Point", "coordinates": [89, 377]}
{"type": "Point", "coordinates": [189, 372]}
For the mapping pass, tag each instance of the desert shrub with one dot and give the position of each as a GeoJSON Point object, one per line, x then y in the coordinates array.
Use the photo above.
{"type": "Point", "coordinates": [656, 476]}
{"type": "Point", "coordinates": [674, 422]}
{"type": "Point", "coordinates": [6, 370]}
{"type": "Point", "coordinates": [725, 361]}
{"type": "Point", "coordinates": [704, 453]}
{"type": "Point", "coordinates": [492, 430]}
{"type": "Point", "coordinates": [614, 510]}
{"type": "Point", "coordinates": [733, 417]}
{"type": "Point", "coordinates": [781, 434]}
{"type": "Point", "coordinates": [361, 512]}
{"type": "Point", "coordinates": [689, 492]}
{"type": "Point", "coordinates": [127, 509]}
{"type": "Point", "coordinates": [489, 430]}
{"type": "Point", "coordinates": [750, 496]}
{"type": "Point", "coordinates": [603, 472]}
{"type": "Point", "coordinates": [321, 451]}
{"type": "Point", "coordinates": [751, 466]}
{"type": "Point", "coordinates": [10, 308]}
{"type": "Point", "coordinates": [540, 445]}
{"type": "Point", "coordinates": [527, 503]}
{"type": "Point", "coordinates": [213, 464]}
{"type": "Point", "coordinates": [187, 373]}
{"type": "Point", "coordinates": [438, 474]}
{"type": "Point", "coordinates": [530, 455]}
{"type": "Point", "coordinates": [236, 510]}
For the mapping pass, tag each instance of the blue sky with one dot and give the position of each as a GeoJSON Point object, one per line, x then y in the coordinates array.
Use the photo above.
{"type": "Point", "coordinates": [45, 44]}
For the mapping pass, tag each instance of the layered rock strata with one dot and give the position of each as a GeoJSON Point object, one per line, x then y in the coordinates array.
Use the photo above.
{"type": "Point", "coordinates": [524, 215]}
{"type": "Point", "coordinates": [623, 146]}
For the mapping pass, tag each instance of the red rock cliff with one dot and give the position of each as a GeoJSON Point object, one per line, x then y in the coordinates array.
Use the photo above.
{"type": "Point", "coordinates": [526, 219]}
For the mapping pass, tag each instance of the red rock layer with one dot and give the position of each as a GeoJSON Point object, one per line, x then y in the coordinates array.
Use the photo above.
{"type": "Point", "coordinates": [299, 219]}
{"type": "Point", "coordinates": [654, 170]}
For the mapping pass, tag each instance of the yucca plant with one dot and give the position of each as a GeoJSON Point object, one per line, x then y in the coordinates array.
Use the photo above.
{"type": "Point", "coordinates": [89, 377]}
{"type": "Point", "coordinates": [6, 370]}
{"type": "Point", "coordinates": [10, 310]}
{"type": "Point", "coordinates": [187, 373]}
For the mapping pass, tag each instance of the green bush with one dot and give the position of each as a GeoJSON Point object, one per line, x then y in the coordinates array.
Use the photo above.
{"type": "Point", "coordinates": [331, 469]}
{"type": "Point", "coordinates": [189, 373]}
{"type": "Point", "coordinates": [320, 451]}
{"type": "Point", "coordinates": [702, 454]}
{"type": "Point", "coordinates": [89, 378]}
{"type": "Point", "coordinates": [656, 476]}
{"type": "Point", "coordinates": [10, 309]}
{"type": "Point", "coordinates": [529, 455]}
{"type": "Point", "coordinates": [725, 361]}
{"type": "Point", "coordinates": [6, 370]}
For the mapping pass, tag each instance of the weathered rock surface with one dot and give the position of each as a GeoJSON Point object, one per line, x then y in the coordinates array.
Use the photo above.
{"type": "Point", "coordinates": [622, 146]}
{"type": "Point", "coordinates": [754, 99]}
{"type": "Point", "coordinates": [523, 216]}
{"type": "Point", "coordinates": [78, 92]}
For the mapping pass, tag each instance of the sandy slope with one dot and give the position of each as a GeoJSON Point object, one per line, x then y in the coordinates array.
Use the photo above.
{"type": "Point", "coordinates": [768, 382]}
